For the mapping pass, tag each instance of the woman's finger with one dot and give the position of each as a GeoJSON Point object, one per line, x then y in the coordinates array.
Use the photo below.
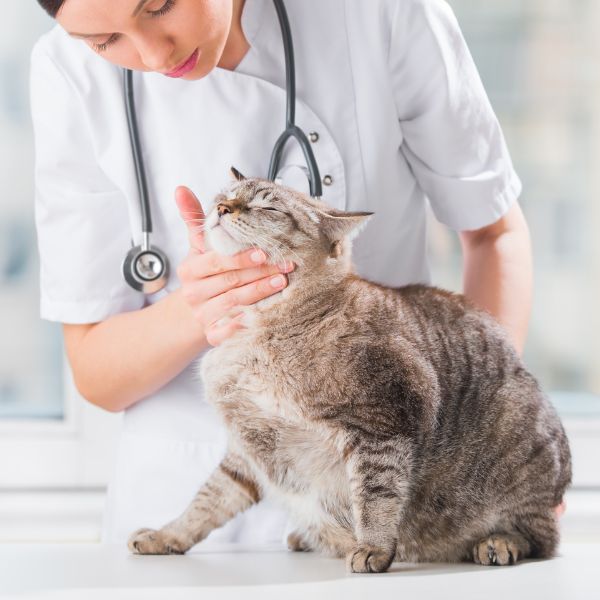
{"type": "Point", "coordinates": [203, 289]}
{"type": "Point", "coordinates": [192, 213]}
{"type": "Point", "coordinates": [197, 266]}
{"type": "Point", "coordinates": [214, 309]}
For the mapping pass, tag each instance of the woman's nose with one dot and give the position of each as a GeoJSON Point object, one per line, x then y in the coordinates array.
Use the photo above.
{"type": "Point", "coordinates": [156, 54]}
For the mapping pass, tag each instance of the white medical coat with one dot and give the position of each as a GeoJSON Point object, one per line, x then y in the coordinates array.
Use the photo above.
{"type": "Point", "coordinates": [402, 119]}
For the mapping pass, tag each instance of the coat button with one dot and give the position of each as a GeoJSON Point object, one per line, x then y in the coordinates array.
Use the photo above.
{"type": "Point", "coordinates": [328, 180]}
{"type": "Point", "coordinates": [313, 136]}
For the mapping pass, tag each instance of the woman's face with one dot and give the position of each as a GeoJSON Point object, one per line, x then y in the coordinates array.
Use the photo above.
{"type": "Point", "coordinates": [180, 38]}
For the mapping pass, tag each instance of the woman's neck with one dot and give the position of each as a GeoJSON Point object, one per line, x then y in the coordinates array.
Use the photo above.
{"type": "Point", "coordinates": [236, 45]}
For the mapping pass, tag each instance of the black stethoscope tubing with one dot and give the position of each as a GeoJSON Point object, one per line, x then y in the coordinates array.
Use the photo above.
{"type": "Point", "coordinates": [291, 129]}
{"type": "Point", "coordinates": [146, 268]}
{"type": "Point", "coordinates": [136, 148]}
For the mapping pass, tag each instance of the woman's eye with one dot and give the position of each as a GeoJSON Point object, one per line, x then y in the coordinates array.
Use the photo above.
{"type": "Point", "coordinates": [163, 10]}
{"type": "Point", "coordinates": [104, 45]}
{"type": "Point", "coordinates": [166, 7]}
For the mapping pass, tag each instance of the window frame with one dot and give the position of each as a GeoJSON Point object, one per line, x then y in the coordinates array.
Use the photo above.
{"type": "Point", "coordinates": [76, 452]}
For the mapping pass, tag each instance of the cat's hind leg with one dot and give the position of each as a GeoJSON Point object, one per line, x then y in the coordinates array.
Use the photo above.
{"type": "Point", "coordinates": [229, 490]}
{"type": "Point", "coordinates": [501, 549]}
{"type": "Point", "coordinates": [533, 535]}
{"type": "Point", "coordinates": [296, 542]}
{"type": "Point", "coordinates": [542, 530]}
{"type": "Point", "coordinates": [328, 537]}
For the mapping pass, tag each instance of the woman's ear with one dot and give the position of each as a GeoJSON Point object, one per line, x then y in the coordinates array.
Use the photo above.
{"type": "Point", "coordinates": [236, 174]}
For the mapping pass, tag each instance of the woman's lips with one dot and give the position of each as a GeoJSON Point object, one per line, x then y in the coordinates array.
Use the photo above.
{"type": "Point", "coordinates": [185, 67]}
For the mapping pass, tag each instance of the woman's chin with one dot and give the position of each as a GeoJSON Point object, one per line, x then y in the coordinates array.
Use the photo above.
{"type": "Point", "coordinates": [218, 240]}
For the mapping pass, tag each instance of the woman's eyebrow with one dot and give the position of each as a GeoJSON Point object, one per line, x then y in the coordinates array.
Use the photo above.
{"type": "Point", "coordinates": [137, 9]}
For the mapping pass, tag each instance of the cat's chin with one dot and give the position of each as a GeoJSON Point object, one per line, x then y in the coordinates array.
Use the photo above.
{"type": "Point", "coordinates": [222, 242]}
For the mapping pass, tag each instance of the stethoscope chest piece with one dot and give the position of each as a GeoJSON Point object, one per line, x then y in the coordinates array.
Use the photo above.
{"type": "Point", "coordinates": [146, 269]}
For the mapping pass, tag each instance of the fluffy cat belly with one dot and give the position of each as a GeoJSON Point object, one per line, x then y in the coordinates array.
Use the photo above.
{"type": "Point", "coordinates": [322, 513]}
{"type": "Point", "coordinates": [312, 471]}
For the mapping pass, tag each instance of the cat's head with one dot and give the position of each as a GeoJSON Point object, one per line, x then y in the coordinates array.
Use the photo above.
{"type": "Point", "coordinates": [286, 224]}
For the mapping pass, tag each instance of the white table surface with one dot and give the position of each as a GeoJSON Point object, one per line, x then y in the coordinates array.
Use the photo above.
{"type": "Point", "coordinates": [92, 571]}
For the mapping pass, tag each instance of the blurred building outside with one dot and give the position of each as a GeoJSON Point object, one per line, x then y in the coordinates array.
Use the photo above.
{"type": "Point", "coordinates": [538, 61]}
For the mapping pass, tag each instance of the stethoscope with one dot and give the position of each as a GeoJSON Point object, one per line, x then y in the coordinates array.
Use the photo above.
{"type": "Point", "coordinates": [146, 267]}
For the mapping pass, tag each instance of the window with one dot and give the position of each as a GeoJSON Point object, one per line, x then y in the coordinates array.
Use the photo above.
{"type": "Point", "coordinates": [31, 365]}
{"type": "Point", "coordinates": [49, 437]}
{"type": "Point", "coordinates": [538, 61]}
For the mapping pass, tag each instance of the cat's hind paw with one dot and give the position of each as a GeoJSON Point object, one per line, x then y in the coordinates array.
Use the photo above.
{"type": "Point", "coordinates": [296, 543]}
{"type": "Point", "coordinates": [369, 559]}
{"type": "Point", "coordinates": [151, 541]}
{"type": "Point", "coordinates": [500, 549]}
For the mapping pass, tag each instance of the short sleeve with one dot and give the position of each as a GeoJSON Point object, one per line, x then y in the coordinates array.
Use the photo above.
{"type": "Point", "coordinates": [452, 138]}
{"type": "Point", "coordinates": [81, 217]}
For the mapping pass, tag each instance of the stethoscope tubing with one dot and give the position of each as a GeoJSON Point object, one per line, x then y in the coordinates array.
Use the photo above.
{"type": "Point", "coordinates": [136, 148]}
{"type": "Point", "coordinates": [291, 129]}
{"type": "Point", "coordinates": [133, 272]}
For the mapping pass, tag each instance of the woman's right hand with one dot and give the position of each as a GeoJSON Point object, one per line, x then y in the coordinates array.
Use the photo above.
{"type": "Point", "coordinates": [215, 286]}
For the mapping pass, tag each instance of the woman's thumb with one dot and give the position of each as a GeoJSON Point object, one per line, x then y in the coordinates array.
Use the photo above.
{"type": "Point", "coordinates": [193, 215]}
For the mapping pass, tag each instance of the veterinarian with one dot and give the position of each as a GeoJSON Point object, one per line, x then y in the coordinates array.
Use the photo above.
{"type": "Point", "coordinates": [395, 113]}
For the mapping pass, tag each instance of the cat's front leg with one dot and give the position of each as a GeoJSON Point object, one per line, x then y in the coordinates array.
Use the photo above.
{"type": "Point", "coordinates": [379, 474]}
{"type": "Point", "coordinates": [229, 490]}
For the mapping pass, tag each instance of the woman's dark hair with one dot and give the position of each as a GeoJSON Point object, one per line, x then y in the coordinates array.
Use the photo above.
{"type": "Point", "coordinates": [51, 6]}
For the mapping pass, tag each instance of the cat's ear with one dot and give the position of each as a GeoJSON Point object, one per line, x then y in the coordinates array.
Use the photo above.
{"type": "Point", "coordinates": [236, 174]}
{"type": "Point", "coordinates": [339, 224]}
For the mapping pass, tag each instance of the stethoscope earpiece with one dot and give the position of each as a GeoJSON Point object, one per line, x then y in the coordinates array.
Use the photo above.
{"type": "Point", "coordinates": [146, 270]}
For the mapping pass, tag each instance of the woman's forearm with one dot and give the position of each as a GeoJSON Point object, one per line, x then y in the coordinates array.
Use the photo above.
{"type": "Point", "coordinates": [131, 355]}
{"type": "Point", "coordinates": [498, 278]}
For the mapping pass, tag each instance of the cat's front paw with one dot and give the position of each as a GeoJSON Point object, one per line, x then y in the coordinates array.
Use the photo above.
{"type": "Point", "coordinates": [369, 559]}
{"type": "Point", "coordinates": [151, 541]}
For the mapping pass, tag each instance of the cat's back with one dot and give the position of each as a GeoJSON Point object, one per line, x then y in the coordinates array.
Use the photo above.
{"type": "Point", "coordinates": [442, 327]}
{"type": "Point", "coordinates": [423, 313]}
{"type": "Point", "coordinates": [424, 338]}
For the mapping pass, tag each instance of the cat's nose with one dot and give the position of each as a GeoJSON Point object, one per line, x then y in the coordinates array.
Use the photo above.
{"type": "Point", "coordinates": [233, 207]}
{"type": "Point", "coordinates": [223, 209]}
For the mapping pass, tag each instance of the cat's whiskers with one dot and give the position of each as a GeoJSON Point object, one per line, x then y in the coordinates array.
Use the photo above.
{"type": "Point", "coordinates": [272, 251]}
{"type": "Point", "coordinates": [269, 246]}
{"type": "Point", "coordinates": [299, 260]}
{"type": "Point", "coordinates": [241, 228]}
{"type": "Point", "coordinates": [278, 246]}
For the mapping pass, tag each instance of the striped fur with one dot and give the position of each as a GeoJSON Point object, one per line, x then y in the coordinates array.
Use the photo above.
{"type": "Point", "coordinates": [395, 424]}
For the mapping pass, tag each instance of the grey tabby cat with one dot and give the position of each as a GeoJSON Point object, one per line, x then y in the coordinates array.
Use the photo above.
{"type": "Point", "coordinates": [395, 424]}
